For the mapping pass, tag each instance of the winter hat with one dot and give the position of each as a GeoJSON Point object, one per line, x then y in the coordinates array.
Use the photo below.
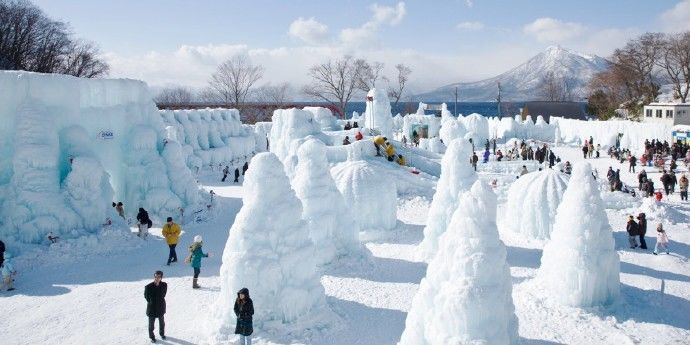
{"type": "Point", "coordinates": [169, 219]}
{"type": "Point", "coordinates": [198, 238]}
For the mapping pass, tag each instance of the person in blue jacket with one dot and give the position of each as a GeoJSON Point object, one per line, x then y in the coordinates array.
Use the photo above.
{"type": "Point", "coordinates": [196, 254]}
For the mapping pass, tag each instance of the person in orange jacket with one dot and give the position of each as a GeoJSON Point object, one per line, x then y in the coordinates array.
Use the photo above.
{"type": "Point", "coordinates": [171, 232]}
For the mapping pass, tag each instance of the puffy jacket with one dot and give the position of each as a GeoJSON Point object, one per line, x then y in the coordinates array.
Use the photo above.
{"type": "Point", "coordinates": [197, 254]}
{"type": "Point", "coordinates": [401, 161]}
{"type": "Point", "coordinates": [390, 150]}
{"type": "Point", "coordinates": [359, 136]}
{"type": "Point", "coordinates": [684, 183]}
{"type": "Point", "coordinates": [661, 237]}
{"type": "Point", "coordinates": [379, 140]}
{"type": "Point", "coordinates": [171, 233]}
{"type": "Point", "coordinates": [632, 228]}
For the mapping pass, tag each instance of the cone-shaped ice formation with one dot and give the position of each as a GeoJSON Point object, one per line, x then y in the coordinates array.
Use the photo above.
{"type": "Point", "coordinates": [331, 224]}
{"type": "Point", "coordinates": [269, 252]}
{"type": "Point", "coordinates": [457, 175]}
{"type": "Point", "coordinates": [532, 203]}
{"type": "Point", "coordinates": [465, 297]}
{"type": "Point", "coordinates": [580, 266]}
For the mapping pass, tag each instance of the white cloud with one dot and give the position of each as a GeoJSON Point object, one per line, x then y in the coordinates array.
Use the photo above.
{"type": "Point", "coordinates": [388, 14]}
{"type": "Point", "coordinates": [469, 3]}
{"type": "Point", "coordinates": [677, 18]}
{"type": "Point", "coordinates": [470, 26]}
{"type": "Point", "coordinates": [553, 30]}
{"type": "Point", "coordinates": [309, 30]}
{"type": "Point", "coordinates": [366, 36]}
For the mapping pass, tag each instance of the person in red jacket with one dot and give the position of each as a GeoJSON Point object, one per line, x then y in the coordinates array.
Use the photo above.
{"type": "Point", "coordinates": [359, 136]}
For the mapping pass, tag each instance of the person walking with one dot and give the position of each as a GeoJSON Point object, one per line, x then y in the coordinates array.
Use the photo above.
{"type": "Point", "coordinates": [673, 181]}
{"type": "Point", "coordinates": [120, 208]}
{"type": "Point", "coordinates": [633, 163]}
{"type": "Point", "coordinates": [144, 223]}
{"type": "Point", "coordinates": [237, 175]}
{"type": "Point", "coordinates": [642, 229]}
{"type": "Point", "coordinates": [245, 167]}
{"type": "Point", "coordinates": [683, 184]}
{"type": "Point", "coordinates": [473, 160]}
{"type": "Point", "coordinates": [226, 171]}
{"type": "Point", "coordinates": [661, 239]}
{"type": "Point", "coordinates": [585, 148]}
{"type": "Point", "coordinates": [154, 293]}
{"type": "Point", "coordinates": [666, 181]}
{"type": "Point", "coordinates": [196, 253]}
{"type": "Point", "coordinates": [171, 232]}
{"type": "Point", "coordinates": [632, 230]}
{"type": "Point", "coordinates": [8, 272]}
{"type": "Point", "coordinates": [244, 309]}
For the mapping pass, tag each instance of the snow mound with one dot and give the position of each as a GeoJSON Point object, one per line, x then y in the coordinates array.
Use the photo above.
{"type": "Point", "coordinates": [270, 253]}
{"type": "Point", "coordinates": [477, 128]}
{"type": "Point", "coordinates": [466, 296]}
{"type": "Point", "coordinates": [457, 175]}
{"type": "Point", "coordinates": [432, 145]}
{"type": "Point", "coordinates": [330, 220]}
{"type": "Point", "coordinates": [580, 266]}
{"type": "Point", "coordinates": [532, 203]}
{"type": "Point", "coordinates": [660, 212]}
{"type": "Point", "coordinates": [324, 117]}
{"type": "Point", "coordinates": [288, 125]}
{"type": "Point", "coordinates": [452, 129]}
{"type": "Point", "coordinates": [371, 195]}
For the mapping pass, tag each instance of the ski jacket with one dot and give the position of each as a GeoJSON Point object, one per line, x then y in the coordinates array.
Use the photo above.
{"type": "Point", "coordinates": [661, 237]}
{"type": "Point", "coordinates": [197, 254]}
{"type": "Point", "coordinates": [171, 233]}
{"type": "Point", "coordinates": [155, 299]}
{"type": "Point", "coordinates": [632, 228]}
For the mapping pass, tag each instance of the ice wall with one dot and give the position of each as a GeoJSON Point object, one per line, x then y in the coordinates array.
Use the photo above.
{"type": "Point", "coordinates": [477, 128]}
{"type": "Point", "coordinates": [580, 266]}
{"type": "Point", "coordinates": [605, 132]}
{"type": "Point", "coordinates": [212, 136]}
{"type": "Point", "coordinates": [466, 296]}
{"type": "Point", "coordinates": [70, 147]}
{"type": "Point", "coordinates": [378, 113]}
{"type": "Point", "coordinates": [288, 125]}
{"type": "Point", "coordinates": [532, 203]}
{"type": "Point", "coordinates": [324, 117]}
{"type": "Point", "coordinates": [457, 175]}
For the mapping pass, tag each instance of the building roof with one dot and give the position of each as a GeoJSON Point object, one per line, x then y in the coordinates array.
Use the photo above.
{"type": "Point", "coordinates": [670, 104]}
{"type": "Point", "coordinates": [568, 110]}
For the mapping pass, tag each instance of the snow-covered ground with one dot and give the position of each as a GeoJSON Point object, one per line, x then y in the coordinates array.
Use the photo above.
{"type": "Point", "coordinates": [75, 294]}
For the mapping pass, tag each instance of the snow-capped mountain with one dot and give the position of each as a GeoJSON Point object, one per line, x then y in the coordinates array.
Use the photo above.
{"type": "Point", "coordinates": [521, 83]}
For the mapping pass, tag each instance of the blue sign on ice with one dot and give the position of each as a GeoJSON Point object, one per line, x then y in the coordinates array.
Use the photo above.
{"type": "Point", "coordinates": [106, 135]}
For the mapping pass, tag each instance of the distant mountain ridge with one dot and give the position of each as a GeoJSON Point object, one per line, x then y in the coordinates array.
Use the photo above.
{"type": "Point", "coordinates": [521, 83]}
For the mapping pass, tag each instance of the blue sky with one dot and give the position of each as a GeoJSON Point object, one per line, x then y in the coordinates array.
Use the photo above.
{"type": "Point", "coordinates": [181, 41]}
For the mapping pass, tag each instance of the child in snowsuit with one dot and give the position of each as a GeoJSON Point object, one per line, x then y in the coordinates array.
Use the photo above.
{"type": "Point", "coordinates": [8, 273]}
{"type": "Point", "coordinates": [196, 253]}
{"type": "Point", "coordinates": [661, 239]}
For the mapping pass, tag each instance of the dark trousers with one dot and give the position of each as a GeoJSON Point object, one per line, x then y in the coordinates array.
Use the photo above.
{"type": "Point", "coordinates": [643, 243]}
{"type": "Point", "coordinates": [224, 177]}
{"type": "Point", "coordinates": [667, 189]}
{"type": "Point", "coordinates": [196, 272]}
{"type": "Point", "coordinates": [684, 195]}
{"type": "Point", "coordinates": [172, 257]}
{"type": "Point", "coordinates": [236, 178]}
{"type": "Point", "coordinates": [161, 325]}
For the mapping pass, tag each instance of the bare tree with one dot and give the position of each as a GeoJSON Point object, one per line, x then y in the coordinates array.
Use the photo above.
{"type": "Point", "coordinates": [675, 61]}
{"type": "Point", "coordinates": [334, 82]}
{"type": "Point", "coordinates": [396, 92]}
{"type": "Point", "coordinates": [639, 59]}
{"type": "Point", "coordinates": [176, 95]}
{"type": "Point", "coordinates": [233, 80]}
{"type": "Point", "coordinates": [31, 41]}
{"type": "Point", "coordinates": [369, 74]}
{"type": "Point", "coordinates": [277, 95]}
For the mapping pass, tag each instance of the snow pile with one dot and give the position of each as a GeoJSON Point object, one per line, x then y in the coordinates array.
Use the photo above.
{"type": "Point", "coordinates": [288, 125]}
{"type": "Point", "coordinates": [532, 203]}
{"type": "Point", "coordinates": [371, 194]}
{"type": "Point", "coordinates": [508, 127]}
{"type": "Point", "coordinates": [466, 296]}
{"type": "Point", "coordinates": [269, 252]}
{"type": "Point", "coordinates": [212, 136]}
{"type": "Point", "coordinates": [330, 220]}
{"type": "Point", "coordinates": [262, 130]}
{"type": "Point", "coordinates": [477, 128]}
{"type": "Point", "coordinates": [398, 122]}
{"type": "Point", "coordinates": [70, 147]}
{"type": "Point", "coordinates": [378, 113]}
{"type": "Point", "coordinates": [324, 118]}
{"type": "Point", "coordinates": [432, 145]}
{"type": "Point", "coordinates": [660, 212]}
{"type": "Point", "coordinates": [580, 266]}
{"type": "Point", "coordinates": [457, 176]}
{"type": "Point", "coordinates": [452, 129]}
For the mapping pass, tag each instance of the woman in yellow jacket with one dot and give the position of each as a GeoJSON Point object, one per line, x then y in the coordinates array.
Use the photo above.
{"type": "Point", "coordinates": [401, 160]}
{"type": "Point", "coordinates": [390, 151]}
{"type": "Point", "coordinates": [171, 232]}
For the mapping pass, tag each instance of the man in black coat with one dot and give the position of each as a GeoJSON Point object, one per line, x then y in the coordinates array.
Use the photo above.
{"type": "Point", "coordinates": [642, 229]}
{"type": "Point", "coordinates": [155, 304]}
{"type": "Point", "coordinates": [245, 167]}
{"type": "Point", "coordinates": [633, 231]}
{"type": "Point", "coordinates": [2, 252]}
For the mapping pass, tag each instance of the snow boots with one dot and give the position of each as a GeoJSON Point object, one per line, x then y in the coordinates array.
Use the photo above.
{"type": "Point", "coordinates": [194, 284]}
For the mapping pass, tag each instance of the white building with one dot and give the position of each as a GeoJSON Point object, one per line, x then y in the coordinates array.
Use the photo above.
{"type": "Point", "coordinates": [668, 113]}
